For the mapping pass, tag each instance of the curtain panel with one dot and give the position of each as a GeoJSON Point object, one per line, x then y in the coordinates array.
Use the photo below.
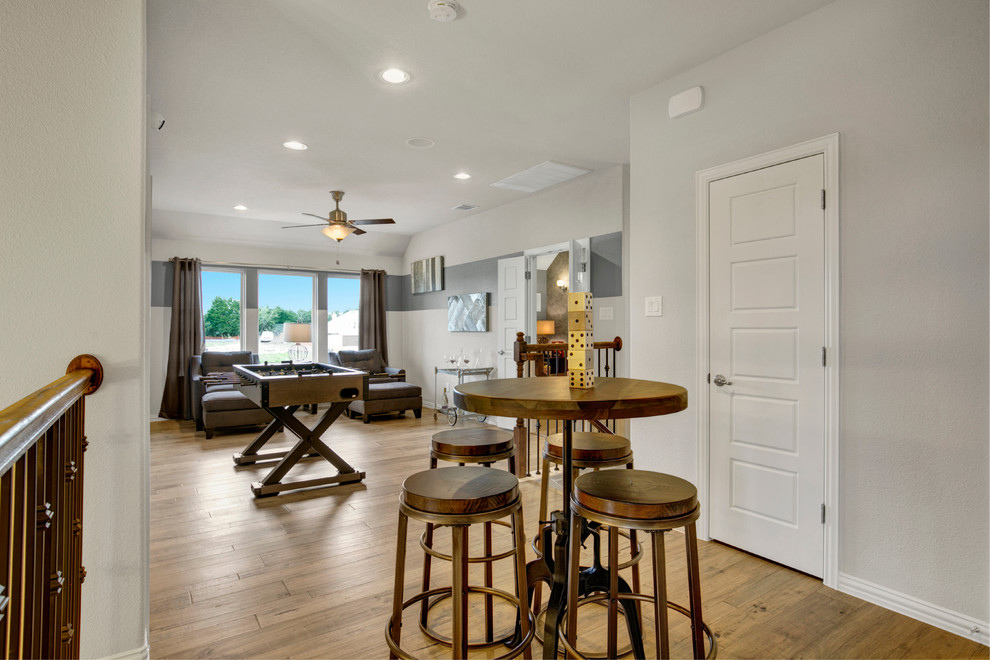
{"type": "Point", "coordinates": [185, 337]}
{"type": "Point", "coordinates": [371, 315]}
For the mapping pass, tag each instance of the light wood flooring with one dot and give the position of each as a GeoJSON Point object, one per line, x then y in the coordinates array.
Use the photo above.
{"type": "Point", "coordinates": [309, 574]}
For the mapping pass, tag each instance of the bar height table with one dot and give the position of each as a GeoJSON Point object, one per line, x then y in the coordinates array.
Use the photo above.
{"type": "Point", "coordinates": [553, 398]}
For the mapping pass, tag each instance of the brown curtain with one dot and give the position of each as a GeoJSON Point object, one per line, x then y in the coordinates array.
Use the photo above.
{"type": "Point", "coordinates": [185, 337]}
{"type": "Point", "coordinates": [371, 312]}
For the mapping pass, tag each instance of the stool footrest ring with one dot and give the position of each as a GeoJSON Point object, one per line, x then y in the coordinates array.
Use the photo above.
{"type": "Point", "coordinates": [445, 592]}
{"type": "Point", "coordinates": [712, 643]}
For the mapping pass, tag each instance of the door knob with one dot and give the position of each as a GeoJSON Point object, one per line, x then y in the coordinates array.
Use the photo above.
{"type": "Point", "coordinates": [501, 352]}
{"type": "Point", "coordinates": [720, 380]}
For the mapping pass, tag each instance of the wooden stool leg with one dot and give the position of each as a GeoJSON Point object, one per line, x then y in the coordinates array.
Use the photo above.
{"type": "Point", "coordinates": [519, 540]}
{"type": "Point", "coordinates": [489, 581]}
{"type": "Point", "coordinates": [662, 632]}
{"type": "Point", "coordinates": [573, 571]}
{"type": "Point", "coordinates": [633, 542]}
{"type": "Point", "coordinates": [613, 591]}
{"type": "Point", "coordinates": [459, 594]}
{"type": "Point", "coordinates": [400, 570]}
{"type": "Point", "coordinates": [694, 586]}
{"type": "Point", "coordinates": [424, 611]}
{"type": "Point", "coordinates": [544, 495]}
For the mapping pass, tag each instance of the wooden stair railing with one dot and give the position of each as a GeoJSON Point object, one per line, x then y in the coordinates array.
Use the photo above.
{"type": "Point", "coordinates": [550, 359]}
{"type": "Point", "coordinates": [41, 508]}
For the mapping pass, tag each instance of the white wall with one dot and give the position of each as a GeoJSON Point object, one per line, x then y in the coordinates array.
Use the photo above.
{"type": "Point", "coordinates": [73, 267]}
{"type": "Point", "coordinates": [326, 258]}
{"type": "Point", "coordinates": [591, 205]}
{"type": "Point", "coordinates": [905, 85]}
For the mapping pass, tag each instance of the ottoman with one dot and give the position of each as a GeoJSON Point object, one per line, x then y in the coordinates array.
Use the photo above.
{"type": "Point", "coordinates": [227, 407]}
{"type": "Point", "coordinates": [386, 397]}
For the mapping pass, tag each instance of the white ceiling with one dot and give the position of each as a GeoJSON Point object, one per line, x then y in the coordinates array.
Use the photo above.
{"type": "Point", "coordinates": [507, 85]}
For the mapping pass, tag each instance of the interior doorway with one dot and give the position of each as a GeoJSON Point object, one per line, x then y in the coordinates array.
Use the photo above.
{"type": "Point", "coordinates": [767, 256]}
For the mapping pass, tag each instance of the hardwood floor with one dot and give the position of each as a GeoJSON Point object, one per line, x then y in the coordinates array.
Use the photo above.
{"type": "Point", "coordinates": [309, 574]}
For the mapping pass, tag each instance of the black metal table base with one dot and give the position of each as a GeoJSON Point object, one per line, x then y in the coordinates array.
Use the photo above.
{"type": "Point", "coordinates": [552, 568]}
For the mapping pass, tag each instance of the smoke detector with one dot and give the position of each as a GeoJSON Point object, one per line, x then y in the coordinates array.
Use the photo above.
{"type": "Point", "coordinates": [443, 10]}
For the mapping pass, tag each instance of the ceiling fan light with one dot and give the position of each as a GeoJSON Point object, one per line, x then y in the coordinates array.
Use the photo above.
{"type": "Point", "coordinates": [337, 232]}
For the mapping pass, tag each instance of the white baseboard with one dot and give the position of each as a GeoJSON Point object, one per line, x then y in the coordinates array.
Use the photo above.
{"type": "Point", "coordinates": [954, 622]}
{"type": "Point", "coordinates": [140, 653]}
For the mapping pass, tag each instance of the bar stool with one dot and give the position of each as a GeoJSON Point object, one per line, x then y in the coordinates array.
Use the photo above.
{"type": "Point", "coordinates": [482, 446]}
{"type": "Point", "coordinates": [458, 497]}
{"type": "Point", "coordinates": [588, 451]}
{"type": "Point", "coordinates": [653, 502]}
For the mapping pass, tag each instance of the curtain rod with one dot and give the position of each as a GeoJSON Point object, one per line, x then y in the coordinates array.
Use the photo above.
{"type": "Point", "coordinates": [309, 268]}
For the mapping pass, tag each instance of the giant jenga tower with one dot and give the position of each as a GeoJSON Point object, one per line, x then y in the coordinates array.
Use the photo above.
{"type": "Point", "coordinates": [580, 340]}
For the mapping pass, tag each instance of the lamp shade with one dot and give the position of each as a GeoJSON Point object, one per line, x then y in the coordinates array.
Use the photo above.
{"type": "Point", "coordinates": [545, 327]}
{"type": "Point", "coordinates": [337, 232]}
{"type": "Point", "coordinates": [296, 332]}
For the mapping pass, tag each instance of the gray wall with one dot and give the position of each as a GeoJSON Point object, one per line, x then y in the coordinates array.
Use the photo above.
{"type": "Point", "coordinates": [905, 83]}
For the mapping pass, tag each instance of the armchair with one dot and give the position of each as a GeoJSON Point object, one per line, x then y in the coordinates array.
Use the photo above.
{"type": "Point", "coordinates": [388, 390]}
{"type": "Point", "coordinates": [219, 406]}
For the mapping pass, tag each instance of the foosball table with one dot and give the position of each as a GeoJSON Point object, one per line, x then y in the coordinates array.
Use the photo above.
{"type": "Point", "coordinates": [283, 388]}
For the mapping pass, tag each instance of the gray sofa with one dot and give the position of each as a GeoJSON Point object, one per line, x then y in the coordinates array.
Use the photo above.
{"type": "Point", "coordinates": [388, 390]}
{"type": "Point", "coordinates": [221, 406]}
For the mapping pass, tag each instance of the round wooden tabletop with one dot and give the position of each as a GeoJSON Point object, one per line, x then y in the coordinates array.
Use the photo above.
{"type": "Point", "coordinates": [552, 397]}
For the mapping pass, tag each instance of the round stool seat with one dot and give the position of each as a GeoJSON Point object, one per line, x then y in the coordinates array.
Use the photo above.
{"type": "Point", "coordinates": [587, 446]}
{"type": "Point", "coordinates": [635, 494]}
{"type": "Point", "coordinates": [460, 490]}
{"type": "Point", "coordinates": [472, 442]}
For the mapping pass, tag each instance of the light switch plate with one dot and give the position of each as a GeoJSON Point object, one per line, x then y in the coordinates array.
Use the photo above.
{"type": "Point", "coordinates": [604, 313]}
{"type": "Point", "coordinates": [654, 306]}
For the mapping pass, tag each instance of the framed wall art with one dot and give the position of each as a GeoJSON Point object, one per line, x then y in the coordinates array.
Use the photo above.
{"type": "Point", "coordinates": [467, 312]}
{"type": "Point", "coordinates": [427, 275]}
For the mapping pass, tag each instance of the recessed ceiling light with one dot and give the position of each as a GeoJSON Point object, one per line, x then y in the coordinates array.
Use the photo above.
{"type": "Point", "coordinates": [297, 146]}
{"type": "Point", "coordinates": [462, 175]}
{"type": "Point", "coordinates": [240, 207]}
{"type": "Point", "coordinates": [394, 76]}
{"type": "Point", "coordinates": [420, 143]}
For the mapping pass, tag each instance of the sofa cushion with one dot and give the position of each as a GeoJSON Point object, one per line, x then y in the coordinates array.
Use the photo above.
{"type": "Point", "coordinates": [226, 400]}
{"type": "Point", "coordinates": [393, 390]}
{"type": "Point", "coordinates": [214, 361]}
{"type": "Point", "coordinates": [364, 360]}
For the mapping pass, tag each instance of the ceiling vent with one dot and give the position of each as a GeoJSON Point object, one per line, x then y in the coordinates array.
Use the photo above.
{"type": "Point", "coordinates": [541, 176]}
{"type": "Point", "coordinates": [466, 207]}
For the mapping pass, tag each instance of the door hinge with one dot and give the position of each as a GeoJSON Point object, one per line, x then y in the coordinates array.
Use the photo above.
{"type": "Point", "coordinates": [709, 378]}
{"type": "Point", "coordinates": [823, 199]}
{"type": "Point", "coordinates": [823, 514]}
{"type": "Point", "coordinates": [823, 356]}
{"type": "Point", "coordinates": [529, 274]}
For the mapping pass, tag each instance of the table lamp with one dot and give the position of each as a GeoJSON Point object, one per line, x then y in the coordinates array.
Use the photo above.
{"type": "Point", "coordinates": [544, 328]}
{"type": "Point", "coordinates": [297, 332]}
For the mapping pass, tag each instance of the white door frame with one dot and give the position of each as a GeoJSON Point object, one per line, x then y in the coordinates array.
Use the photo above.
{"type": "Point", "coordinates": [829, 146]}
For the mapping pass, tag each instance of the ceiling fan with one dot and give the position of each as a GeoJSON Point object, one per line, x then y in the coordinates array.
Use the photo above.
{"type": "Point", "coordinates": [337, 226]}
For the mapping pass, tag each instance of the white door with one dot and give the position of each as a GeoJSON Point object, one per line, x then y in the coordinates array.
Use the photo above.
{"type": "Point", "coordinates": [767, 329]}
{"type": "Point", "coordinates": [511, 317]}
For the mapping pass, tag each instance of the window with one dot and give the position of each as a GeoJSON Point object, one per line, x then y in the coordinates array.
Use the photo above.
{"type": "Point", "coordinates": [282, 299]}
{"type": "Point", "coordinates": [342, 312]}
{"type": "Point", "coordinates": [222, 309]}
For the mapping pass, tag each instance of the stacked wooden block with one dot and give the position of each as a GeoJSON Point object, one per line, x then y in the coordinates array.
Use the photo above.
{"type": "Point", "coordinates": [580, 340]}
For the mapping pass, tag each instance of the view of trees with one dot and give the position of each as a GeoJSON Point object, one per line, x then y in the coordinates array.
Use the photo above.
{"type": "Point", "coordinates": [223, 319]}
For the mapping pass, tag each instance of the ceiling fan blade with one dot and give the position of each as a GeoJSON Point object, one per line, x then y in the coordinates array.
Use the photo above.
{"type": "Point", "coordinates": [377, 221]}
{"type": "Point", "coordinates": [358, 231]}
{"type": "Point", "coordinates": [320, 224]}
{"type": "Point", "coordinates": [313, 215]}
